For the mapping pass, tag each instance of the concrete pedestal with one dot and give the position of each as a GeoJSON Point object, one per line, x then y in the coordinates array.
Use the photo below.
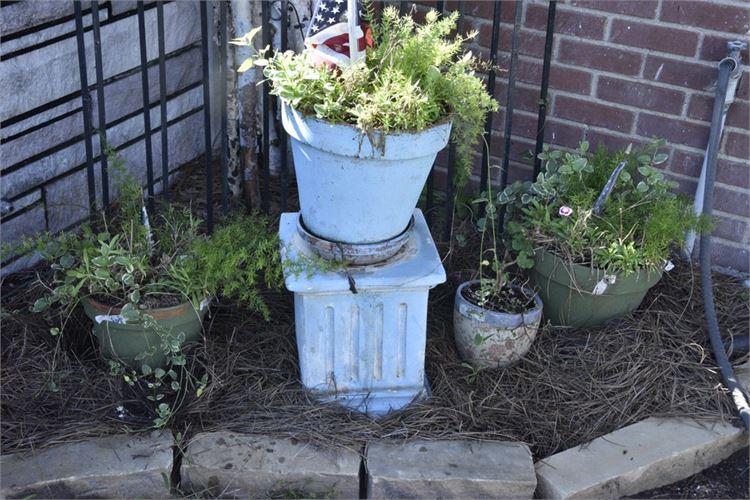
{"type": "Point", "coordinates": [364, 350]}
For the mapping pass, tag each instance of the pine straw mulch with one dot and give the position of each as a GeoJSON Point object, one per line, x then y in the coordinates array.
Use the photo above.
{"type": "Point", "coordinates": [570, 388]}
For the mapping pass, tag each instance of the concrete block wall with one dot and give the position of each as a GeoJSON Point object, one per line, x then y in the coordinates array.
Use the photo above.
{"type": "Point", "coordinates": [43, 160]}
{"type": "Point", "coordinates": [625, 71]}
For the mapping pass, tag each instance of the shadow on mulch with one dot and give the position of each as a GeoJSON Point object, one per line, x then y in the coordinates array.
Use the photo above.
{"type": "Point", "coordinates": [728, 479]}
{"type": "Point", "coordinates": [572, 386]}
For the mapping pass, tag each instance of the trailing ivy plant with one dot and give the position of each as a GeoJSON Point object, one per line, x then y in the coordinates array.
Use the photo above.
{"type": "Point", "coordinates": [412, 77]}
{"type": "Point", "coordinates": [642, 218]}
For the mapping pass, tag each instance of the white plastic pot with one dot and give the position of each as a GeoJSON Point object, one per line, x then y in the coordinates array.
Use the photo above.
{"type": "Point", "coordinates": [355, 188]}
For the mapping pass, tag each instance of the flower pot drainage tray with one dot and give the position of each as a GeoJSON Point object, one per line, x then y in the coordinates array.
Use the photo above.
{"type": "Point", "coordinates": [359, 254]}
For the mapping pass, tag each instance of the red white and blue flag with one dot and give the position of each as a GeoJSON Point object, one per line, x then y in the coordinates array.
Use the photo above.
{"type": "Point", "coordinates": [333, 30]}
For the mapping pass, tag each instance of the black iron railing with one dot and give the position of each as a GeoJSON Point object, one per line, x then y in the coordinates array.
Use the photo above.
{"type": "Point", "coordinates": [270, 105]}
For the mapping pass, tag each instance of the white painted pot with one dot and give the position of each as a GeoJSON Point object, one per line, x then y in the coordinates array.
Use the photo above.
{"type": "Point", "coordinates": [355, 188]}
{"type": "Point", "coordinates": [492, 339]}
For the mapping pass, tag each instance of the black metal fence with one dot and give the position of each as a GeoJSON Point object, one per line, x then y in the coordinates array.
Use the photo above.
{"type": "Point", "coordinates": [269, 103]}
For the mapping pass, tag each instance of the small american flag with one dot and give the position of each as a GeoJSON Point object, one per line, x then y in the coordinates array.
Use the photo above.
{"type": "Point", "coordinates": [332, 25]}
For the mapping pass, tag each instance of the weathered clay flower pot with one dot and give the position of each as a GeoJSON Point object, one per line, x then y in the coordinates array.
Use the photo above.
{"type": "Point", "coordinates": [491, 339]}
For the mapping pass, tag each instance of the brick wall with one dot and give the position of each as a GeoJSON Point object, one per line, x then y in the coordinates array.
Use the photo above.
{"type": "Point", "coordinates": [625, 71]}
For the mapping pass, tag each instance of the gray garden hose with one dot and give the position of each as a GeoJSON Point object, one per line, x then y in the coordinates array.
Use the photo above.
{"type": "Point", "coordinates": [735, 389]}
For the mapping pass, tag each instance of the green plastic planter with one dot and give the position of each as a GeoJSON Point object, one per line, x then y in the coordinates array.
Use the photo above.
{"type": "Point", "coordinates": [124, 341]}
{"type": "Point", "coordinates": [567, 291]}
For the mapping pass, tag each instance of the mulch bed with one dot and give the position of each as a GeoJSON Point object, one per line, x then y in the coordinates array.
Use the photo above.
{"type": "Point", "coordinates": [572, 386]}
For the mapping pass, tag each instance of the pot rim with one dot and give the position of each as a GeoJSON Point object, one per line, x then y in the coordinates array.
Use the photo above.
{"type": "Point", "coordinates": [446, 120]}
{"type": "Point", "coordinates": [538, 305]}
{"type": "Point", "coordinates": [598, 270]}
{"type": "Point", "coordinates": [158, 313]}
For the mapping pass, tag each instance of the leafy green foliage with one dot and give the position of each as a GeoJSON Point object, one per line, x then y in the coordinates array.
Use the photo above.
{"type": "Point", "coordinates": [135, 266]}
{"type": "Point", "coordinates": [412, 78]}
{"type": "Point", "coordinates": [641, 219]}
{"type": "Point", "coordinates": [233, 261]}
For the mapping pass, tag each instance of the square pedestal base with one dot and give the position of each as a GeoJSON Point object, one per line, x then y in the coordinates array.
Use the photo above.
{"type": "Point", "coordinates": [364, 350]}
{"type": "Point", "coordinates": [377, 403]}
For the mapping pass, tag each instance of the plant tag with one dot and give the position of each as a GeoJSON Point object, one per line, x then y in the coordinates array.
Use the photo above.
{"type": "Point", "coordinates": [111, 318]}
{"type": "Point", "coordinates": [603, 283]}
{"type": "Point", "coordinates": [669, 266]}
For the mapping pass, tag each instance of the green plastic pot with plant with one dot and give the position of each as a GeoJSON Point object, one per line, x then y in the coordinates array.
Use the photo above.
{"type": "Point", "coordinates": [364, 137]}
{"type": "Point", "coordinates": [146, 286]}
{"type": "Point", "coordinates": [596, 229]}
{"type": "Point", "coordinates": [495, 320]}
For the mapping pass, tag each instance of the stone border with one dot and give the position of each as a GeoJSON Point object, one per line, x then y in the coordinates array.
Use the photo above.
{"type": "Point", "coordinates": [449, 469]}
{"type": "Point", "coordinates": [232, 464]}
{"type": "Point", "coordinates": [123, 466]}
{"type": "Point", "coordinates": [648, 454]}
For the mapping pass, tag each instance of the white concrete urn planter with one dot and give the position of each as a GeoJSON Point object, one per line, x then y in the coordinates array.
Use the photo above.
{"type": "Point", "coordinates": [359, 188]}
{"type": "Point", "coordinates": [490, 339]}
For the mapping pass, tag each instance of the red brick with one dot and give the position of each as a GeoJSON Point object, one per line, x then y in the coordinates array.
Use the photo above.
{"type": "Point", "coordinates": [590, 113]}
{"type": "Point", "coordinates": [731, 173]}
{"type": "Point", "coordinates": [684, 186]}
{"type": "Point", "coordinates": [639, 8]}
{"type": "Point", "coordinates": [555, 132]}
{"type": "Point", "coordinates": [714, 48]}
{"type": "Point", "coordinates": [525, 98]}
{"type": "Point", "coordinates": [570, 80]}
{"type": "Point", "coordinates": [567, 22]}
{"type": "Point", "coordinates": [729, 229]}
{"type": "Point", "coordinates": [562, 134]}
{"type": "Point", "coordinates": [591, 55]}
{"type": "Point", "coordinates": [524, 125]}
{"type": "Point", "coordinates": [686, 163]}
{"type": "Point", "coordinates": [661, 38]}
{"type": "Point", "coordinates": [567, 79]}
{"type": "Point", "coordinates": [713, 15]}
{"type": "Point", "coordinates": [743, 89]}
{"type": "Point", "coordinates": [485, 10]}
{"type": "Point", "coordinates": [610, 141]}
{"type": "Point", "coordinates": [531, 43]}
{"type": "Point", "coordinates": [729, 256]}
{"type": "Point", "coordinates": [732, 202]}
{"type": "Point", "coordinates": [737, 145]}
{"type": "Point", "coordinates": [701, 108]}
{"type": "Point", "coordinates": [640, 95]}
{"type": "Point", "coordinates": [673, 130]}
{"type": "Point", "coordinates": [680, 73]}
{"type": "Point", "coordinates": [520, 148]}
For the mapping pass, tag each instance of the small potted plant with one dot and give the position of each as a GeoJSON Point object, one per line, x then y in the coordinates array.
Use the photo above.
{"type": "Point", "coordinates": [364, 137]}
{"type": "Point", "coordinates": [145, 286]}
{"type": "Point", "coordinates": [495, 320]}
{"type": "Point", "coordinates": [596, 228]}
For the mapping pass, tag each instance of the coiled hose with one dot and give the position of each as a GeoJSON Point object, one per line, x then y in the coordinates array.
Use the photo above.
{"type": "Point", "coordinates": [737, 392]}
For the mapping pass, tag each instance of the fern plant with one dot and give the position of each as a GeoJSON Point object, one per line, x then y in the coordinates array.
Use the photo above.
{"type": "Point", "coordinates": [413, 77]}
